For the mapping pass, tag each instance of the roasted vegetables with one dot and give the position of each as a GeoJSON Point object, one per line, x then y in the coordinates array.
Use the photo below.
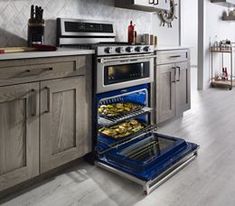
{"type": "Point", "coordinates": [123, 129]}
{"type": "Point", "coordinates": [113, 110]}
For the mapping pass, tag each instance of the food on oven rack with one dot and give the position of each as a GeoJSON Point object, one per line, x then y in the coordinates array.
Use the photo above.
{"type": "Point", "coordinates": [116, 109]}
{"type": "Point", "coordinates": [122, 130]}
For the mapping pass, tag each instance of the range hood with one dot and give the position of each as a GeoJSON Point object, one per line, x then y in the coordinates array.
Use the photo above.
{"type": "Point", "coordinates": [227, 3]}
{"type": "Point", "coordinates": [144, 5]}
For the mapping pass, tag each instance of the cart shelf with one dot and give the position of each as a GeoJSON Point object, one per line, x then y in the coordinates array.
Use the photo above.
{"type": "Point", "coordinates": [229, 51]}
{"type": "Point", "coordinates": [223, 83]}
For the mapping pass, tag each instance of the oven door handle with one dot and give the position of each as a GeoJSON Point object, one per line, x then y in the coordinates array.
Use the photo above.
{"type": "Point", "coordinates": [126, 59]}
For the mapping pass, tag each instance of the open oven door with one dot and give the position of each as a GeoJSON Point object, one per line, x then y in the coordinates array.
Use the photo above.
{"type": "Point", "coordinates": [148, 160]}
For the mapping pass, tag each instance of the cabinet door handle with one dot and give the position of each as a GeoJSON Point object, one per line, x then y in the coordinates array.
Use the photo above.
{"type": "Point", "coordinates": [48, 100]}
{"type": "Point", "coordinates": [178, 80]}
{"type": "Point", "coordinates": [173, 81]}
{"type": "Point", "coordinates": [33, 102]}
{"type": "Point", "coordinates": [151, 1]}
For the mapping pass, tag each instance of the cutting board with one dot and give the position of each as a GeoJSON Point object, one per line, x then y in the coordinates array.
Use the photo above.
{"type": "Point", "coordinates": [36, 47]}
{"type": "Point", "coordinates": [6, 50]}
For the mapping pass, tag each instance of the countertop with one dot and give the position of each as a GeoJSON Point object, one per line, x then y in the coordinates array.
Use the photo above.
{"type": "Point", "coordinates": [40, 54]}
{"type": "Point", "coordinates": [164, 48]}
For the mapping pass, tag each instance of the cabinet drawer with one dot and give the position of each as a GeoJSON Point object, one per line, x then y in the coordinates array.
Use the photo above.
{"type": "Point", "coordinates": [42, 71]}
{"type": "Point", "coordinates": [166, 57]}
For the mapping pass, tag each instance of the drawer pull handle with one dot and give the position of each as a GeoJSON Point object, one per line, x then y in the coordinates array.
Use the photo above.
{"type": "Point", "coordinates": [42, 70]}
{"type": "Point", "coordinates": [176, 56]}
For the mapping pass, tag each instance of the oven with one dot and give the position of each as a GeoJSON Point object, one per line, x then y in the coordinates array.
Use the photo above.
{"type": "Point", "coordinates": [124, 140]}
{"type": "Point", "coordinates": [129, 145]}
{"type": "Point", "coordinates": [118, 72]}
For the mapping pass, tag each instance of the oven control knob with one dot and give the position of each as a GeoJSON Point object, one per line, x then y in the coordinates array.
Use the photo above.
{"type": "Point", "coordinates": [138, 49]}
{"type": "Point", "coordinates": [146, 48]}
{"type": "Point", "coordinates": [120, 50]}
{"type": "Point", "coordinates": [108, 50]}
{"type": "Point", "coordinates": [129, 49]}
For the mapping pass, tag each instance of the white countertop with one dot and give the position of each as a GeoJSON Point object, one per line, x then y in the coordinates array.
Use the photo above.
{"type": "Point", "coordinates": [163, 48]}
{"type": "Point", "coordinates": [41, 54]}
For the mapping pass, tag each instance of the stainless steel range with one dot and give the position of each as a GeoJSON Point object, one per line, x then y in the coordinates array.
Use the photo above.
{"type": "Point", "coordinates": [119, 65]}
{"type": "Point", "coordinates": [115, 71]}
{"type": "Point", "coordinates": [124, 141]}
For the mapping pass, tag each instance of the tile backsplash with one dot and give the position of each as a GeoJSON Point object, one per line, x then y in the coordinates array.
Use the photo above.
{"type": "Point", "coordinates": [14, 15]}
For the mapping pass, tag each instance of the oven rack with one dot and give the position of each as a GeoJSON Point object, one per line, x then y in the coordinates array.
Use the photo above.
{"type": "Point", "coordinates": [146, 131]}
{"type": "Point", "coordinates": [110, 121]}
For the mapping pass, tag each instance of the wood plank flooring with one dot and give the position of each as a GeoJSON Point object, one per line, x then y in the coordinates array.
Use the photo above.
{"type": "Point", "coordinates": [207, 181]}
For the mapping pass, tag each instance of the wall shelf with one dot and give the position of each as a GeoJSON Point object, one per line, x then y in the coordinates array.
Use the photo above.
{"type": "Point", "coordinates": [226, 3]}
{"type": "Point", "coordinates": [228, 18]}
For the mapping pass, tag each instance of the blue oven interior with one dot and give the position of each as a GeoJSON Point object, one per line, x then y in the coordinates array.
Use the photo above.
{"type": "Point", "coordinates": [138, 95]}
{"type": "Point", "coordinates": [144, 155]}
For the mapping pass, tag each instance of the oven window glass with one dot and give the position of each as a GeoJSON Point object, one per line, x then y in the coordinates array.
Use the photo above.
{"type": "Point", "coordinates": [127, 72]}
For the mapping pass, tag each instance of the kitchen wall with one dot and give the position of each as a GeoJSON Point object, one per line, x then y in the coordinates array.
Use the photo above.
{"type": "Point", "coordinates": [15, 13]}
{"type": "Point", "coordinates": [213, 26]}
{"type": "Point", "coordinates": [189, 27]}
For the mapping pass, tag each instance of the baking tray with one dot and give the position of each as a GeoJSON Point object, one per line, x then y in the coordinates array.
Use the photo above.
{"type": "Point", "coordinates": [121, 114]}
{"type": "Point", "coordinates": [121, 138]}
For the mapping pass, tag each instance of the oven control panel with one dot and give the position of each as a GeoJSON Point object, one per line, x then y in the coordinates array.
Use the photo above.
{"type": "Point", "coordinates": [110, 50]}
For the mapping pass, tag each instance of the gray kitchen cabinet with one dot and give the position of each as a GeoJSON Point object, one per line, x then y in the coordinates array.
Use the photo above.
{"type": "Point", "coordinates": [166, 107]}
{"type": "Point", "coordinates": [173, 89]}
{"type": "Point", "coordinates": [183, 97]}
{"type": "Point", "coordinates": [64, 122]}
{"type": "Point", "coordinates": [19, 133]}
{"type": "Point", "coordinates": [45, 115]}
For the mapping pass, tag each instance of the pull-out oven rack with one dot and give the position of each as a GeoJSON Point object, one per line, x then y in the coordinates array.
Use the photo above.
{"type": "Point", "coordinates": [105, 121]}
{"type": "Point", "coordinates": [109, 121]}
{"type": "Point", "coordinates": [112, 144]}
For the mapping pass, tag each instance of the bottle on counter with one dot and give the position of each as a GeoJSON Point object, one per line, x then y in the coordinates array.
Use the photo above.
{"type": "Point", "coordinates": [131, 33]}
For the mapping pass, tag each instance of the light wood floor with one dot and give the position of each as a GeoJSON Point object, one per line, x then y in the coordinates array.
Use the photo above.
{"type": "Point", "coordinates": [207, 181]}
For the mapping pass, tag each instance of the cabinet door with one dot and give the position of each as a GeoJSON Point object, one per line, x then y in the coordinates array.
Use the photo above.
{"type": "Point", "coordinates": [183, 88]}
{"type": "Point", "coordinates": [19, 134]}
{"type": "Point", "coordinates": [165, 92]}
{"type": "Point", "coordinates": [64, 121]}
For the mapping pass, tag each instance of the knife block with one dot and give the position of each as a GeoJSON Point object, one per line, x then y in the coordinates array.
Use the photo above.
{"type": "Point", "coordinates": [35, 33]}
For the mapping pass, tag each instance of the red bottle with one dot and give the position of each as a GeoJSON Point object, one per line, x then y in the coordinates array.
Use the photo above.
{"type": "Point", "coordinates": [131, 29]}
